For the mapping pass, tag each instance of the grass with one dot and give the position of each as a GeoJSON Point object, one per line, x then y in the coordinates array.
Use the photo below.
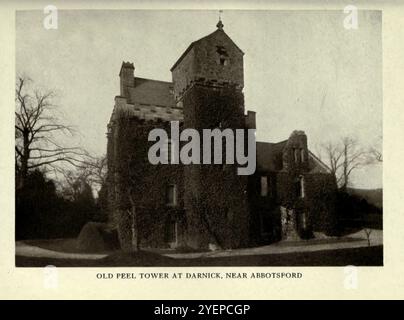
{"type": "Point", "coordinates": [365, 256]}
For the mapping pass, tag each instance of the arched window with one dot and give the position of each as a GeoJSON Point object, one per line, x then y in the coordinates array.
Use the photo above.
{"type": "Point", "coordinates": [302, 155]}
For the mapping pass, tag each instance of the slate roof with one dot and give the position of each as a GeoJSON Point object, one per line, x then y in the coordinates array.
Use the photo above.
{"type": "Point", "coordinates": [152, 92]}
{"type": "Point", "coordinates": [269, 155]}
{"type": "Point", "coordinates": [269, 158]}
{"type": "Point", "coordinates": [200, 40]}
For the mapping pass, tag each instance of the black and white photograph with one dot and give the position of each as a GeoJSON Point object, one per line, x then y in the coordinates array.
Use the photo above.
{"type": "Point", "coordinates": [198, 138]}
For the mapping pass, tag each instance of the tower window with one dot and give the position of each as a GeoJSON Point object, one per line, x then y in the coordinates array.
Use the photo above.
{"type": "Point", "coordinates": [264, 186]}
{"type": "Point", "coordinates": [168, 151]}
{"type": "Point", "coordinates": [171, 195]}
{"type": "Point", "coordinates": [223, 55]}
{"type": "Point", "coordinates": [302, 155]}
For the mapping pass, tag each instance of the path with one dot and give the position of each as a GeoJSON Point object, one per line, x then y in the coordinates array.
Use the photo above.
{"type": "Point", "coordinates": [356, 240]}
{"type": "Point", "coordinates": [26, 250]}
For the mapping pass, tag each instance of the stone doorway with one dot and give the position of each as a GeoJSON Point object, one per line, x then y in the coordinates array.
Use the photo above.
{"type": "Point", "coordinates": [172, 234]}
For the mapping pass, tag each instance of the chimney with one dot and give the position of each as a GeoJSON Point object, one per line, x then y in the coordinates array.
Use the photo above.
{"type": "Point", "coordinates": [127, 78]}
{"type": "Point", "coordinates": [250, 120]}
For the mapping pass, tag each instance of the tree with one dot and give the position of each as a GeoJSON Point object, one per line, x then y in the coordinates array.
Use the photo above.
{"type": "Point", "coordinates": [376, 151]}
{"type": "Point", "coordinates": [368, 231]}
{"type": "Point", "coordinates": [344, 157]}
{"type": "Point", "coordinates": [377, 155]}
{"type": "Point", "coordinates": [92, 171]}
{"type": "Point", "coordinates": [36, 126]}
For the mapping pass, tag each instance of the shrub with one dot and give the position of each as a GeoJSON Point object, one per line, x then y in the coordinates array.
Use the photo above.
{"type": "Point", "coordinates": [97, 237]}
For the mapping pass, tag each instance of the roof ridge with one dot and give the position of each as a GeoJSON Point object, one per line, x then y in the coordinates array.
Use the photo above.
{"type": "Point", "coordinates": [196, 41]}
{"type": "Point", "coordinates": [155, 80]}
{"type": "Point", "coordinates": [273, 142]}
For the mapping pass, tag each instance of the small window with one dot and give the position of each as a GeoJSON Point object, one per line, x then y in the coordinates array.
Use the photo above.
{"type": "Point", "coordinates": [264, 186]}
{"type": "Point", "coordinates": [171, 195]}
{"type": "Point", "coordinates": [302, 155]}
{"type": "Point", "coordinates": [223, 55]}
{"type": "Point", "coordinates": [168, 151]}
{"type": "Point", "coordinates": [223, 61]}
{"type": "Point", "coordinates": [300, 187]}
{"type": "Point", "coordinates": [296, 155]}
{"type": "Point", "coordinates": [302, 191]}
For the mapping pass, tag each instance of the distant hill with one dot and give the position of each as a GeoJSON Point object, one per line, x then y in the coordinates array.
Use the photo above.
{"type": "Point", "coordinates": [372, 196]}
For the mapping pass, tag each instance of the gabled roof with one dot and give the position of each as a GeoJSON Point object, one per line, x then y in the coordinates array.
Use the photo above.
{"type": "Point", "coordinates": [269, 158]}
{"type": "Point", "coordinates": [152, 92]}
{"type": "Point", "coordinates": [316, 165]}
{"type": "Point", "coordinates": [269, 155]}
{"type": "Point", "coordinates": [200, 40]}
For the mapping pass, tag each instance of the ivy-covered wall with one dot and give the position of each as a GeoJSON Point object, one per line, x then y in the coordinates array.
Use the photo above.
{"type": "Point", "coordinates": [215, 196]}
{"type": "Point", "coordinates": [133, 178]}
{"type": "Point", "coordinates": [318, 204]}
{"type": "Point", "coordinates": [214, 204]}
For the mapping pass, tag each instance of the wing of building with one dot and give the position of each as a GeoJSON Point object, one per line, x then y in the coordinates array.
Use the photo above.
{"type": "Point", "coordinates": [290, 195]}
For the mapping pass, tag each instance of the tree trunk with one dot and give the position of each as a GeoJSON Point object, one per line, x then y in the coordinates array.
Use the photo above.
{"type": "Point", "coordinates": [344, 186]}
{"type": "Point", "coordinates": [22, 175]}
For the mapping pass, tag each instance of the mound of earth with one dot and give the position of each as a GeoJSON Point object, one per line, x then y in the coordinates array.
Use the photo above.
{"type": "Point", "coordinates": [97, 237]}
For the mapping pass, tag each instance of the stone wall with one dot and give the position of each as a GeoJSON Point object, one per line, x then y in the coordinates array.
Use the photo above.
{"type": "Point", "coordinates": [131, 175]}
{"type": "Point", "coordinates": [316, 211]}
{"type": "Point", "coordinates": [215, 196]}
{"type": "Point", "coordinates": [202, 64]}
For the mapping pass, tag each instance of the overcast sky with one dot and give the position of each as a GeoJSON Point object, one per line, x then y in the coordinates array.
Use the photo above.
{"type": "Point", "coordinates": [303, 69]}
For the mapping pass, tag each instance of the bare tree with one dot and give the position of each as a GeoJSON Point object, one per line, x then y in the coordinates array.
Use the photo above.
{"type": "Point", "coordinates": [333, 155]}
{"type": "Point", "coordinates": [36, 125]}
{"type": "Point", "coordinates": [376, 150]}
{"type": "Point", "coordinates": [345, 157]}
{"type": "Point", "coordinates": [368, 232]}
{"type": "Point", "coordinates": [92, 171]}
{"type": "Point", "coordinates": [377, 154]}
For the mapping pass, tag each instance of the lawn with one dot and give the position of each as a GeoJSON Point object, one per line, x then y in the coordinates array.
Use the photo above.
{"type": "Point", "coordinates": [364, 256]}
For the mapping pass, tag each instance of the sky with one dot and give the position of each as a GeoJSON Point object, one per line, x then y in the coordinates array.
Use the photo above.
{"type": "Point", "coordinates": [303, 70]}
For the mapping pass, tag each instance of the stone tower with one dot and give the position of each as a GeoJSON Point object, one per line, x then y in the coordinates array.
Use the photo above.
{"type": "Point", "coordinates": [208, 81]}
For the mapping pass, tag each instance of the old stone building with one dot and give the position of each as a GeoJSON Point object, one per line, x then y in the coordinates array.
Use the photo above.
{"type": "Point", "coordinates": [290, 195]}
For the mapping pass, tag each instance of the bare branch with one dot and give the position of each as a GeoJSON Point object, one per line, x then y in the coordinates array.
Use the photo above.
{"type": "Point", "coordinates": [36, 127]}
